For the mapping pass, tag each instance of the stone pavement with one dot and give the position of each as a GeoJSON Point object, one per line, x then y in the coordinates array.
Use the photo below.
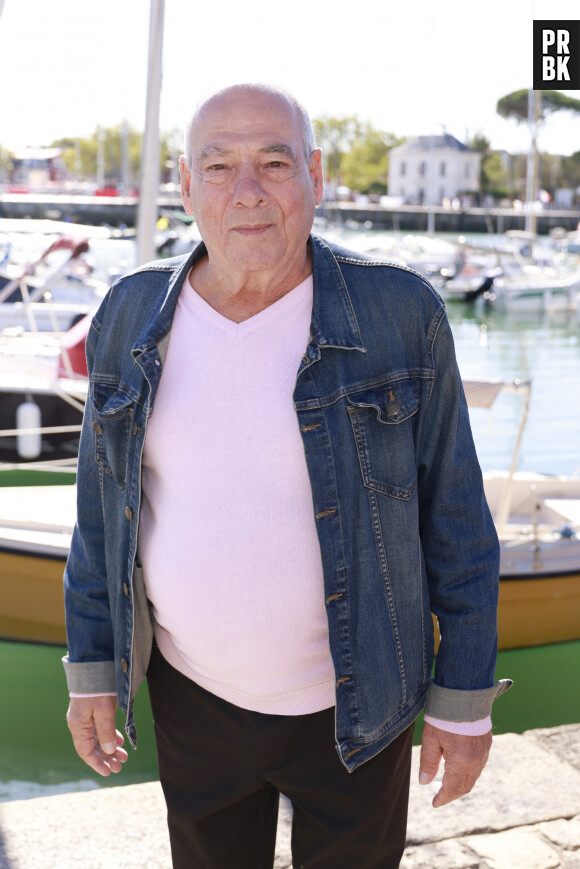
{"type": "Point", "coordinates": [523, 814]}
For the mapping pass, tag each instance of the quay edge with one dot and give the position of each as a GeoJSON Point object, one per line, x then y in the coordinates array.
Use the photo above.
{"type": "Point", "coordinates": [119, 210]}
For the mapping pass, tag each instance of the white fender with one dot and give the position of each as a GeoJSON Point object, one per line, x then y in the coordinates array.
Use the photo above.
{"type": "Point", "coordinates": [28, 445]}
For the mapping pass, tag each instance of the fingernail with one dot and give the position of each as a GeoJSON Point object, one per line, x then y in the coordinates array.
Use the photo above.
{"type": "Point", "coordinates": [424, 777]}
{"type": "Point", "coordinates": [109, 747]}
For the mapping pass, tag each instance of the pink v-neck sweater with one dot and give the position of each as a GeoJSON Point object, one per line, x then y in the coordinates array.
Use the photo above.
{"type": "Point", "coordinates": [227, 538]}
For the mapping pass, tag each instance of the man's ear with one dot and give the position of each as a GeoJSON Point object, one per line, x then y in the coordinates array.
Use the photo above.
{"type": "Point", "coordinates": [316, 173]}
{"type": "Point", "coordinates": [185, 175]}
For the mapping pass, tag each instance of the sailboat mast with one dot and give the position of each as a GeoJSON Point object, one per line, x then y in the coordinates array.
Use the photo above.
{"type": "Point", "coordinates": [149, 183]}
{"type": "Point", "coordinates": [534, 99]}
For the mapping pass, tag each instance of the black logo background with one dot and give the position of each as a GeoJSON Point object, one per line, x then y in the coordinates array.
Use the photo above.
{"type": "Point", "coordinates": [573, 66]}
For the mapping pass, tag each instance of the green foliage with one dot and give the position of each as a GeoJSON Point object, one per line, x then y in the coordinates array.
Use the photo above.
{"type": "Point", "coordinates": [515, 105]}
{"type": "Point", "coordinates": [82, 156]}
{"type": "Point", "coordinates": [336, 136]}
{"type": "Point", "coordinates": [365, 167]}
{"type": "Point", "coordinates": [494, 175]}
{"type": "Point", "coordinates": [479, 143]}
{"type": "Point", "coordinates": [354, 152]}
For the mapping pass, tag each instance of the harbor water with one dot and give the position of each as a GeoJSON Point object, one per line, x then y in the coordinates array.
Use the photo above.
{"type": "Point", "coordinates": [36, 753]}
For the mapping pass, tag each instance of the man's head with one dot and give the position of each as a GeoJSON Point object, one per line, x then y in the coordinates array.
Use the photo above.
{"type": "Point", "coordinates": [252, 177]}
{"type": "Point", "coordinates": [307, 129]}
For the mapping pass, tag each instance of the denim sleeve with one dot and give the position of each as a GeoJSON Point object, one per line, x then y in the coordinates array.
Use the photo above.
{"type": "Point", "coordinates": [459, 545]}
{"type": "Point", "coordinates": [89, 664]}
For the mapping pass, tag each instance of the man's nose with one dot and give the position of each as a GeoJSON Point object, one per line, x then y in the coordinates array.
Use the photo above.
{"type": "Point", "coordinates": [248, 189]}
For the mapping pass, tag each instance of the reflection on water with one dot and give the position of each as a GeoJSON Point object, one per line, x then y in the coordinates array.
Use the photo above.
{"type": "Point", "coordinates": [36, 751]}
{"type": "Point", "coordinates": [543, 349]}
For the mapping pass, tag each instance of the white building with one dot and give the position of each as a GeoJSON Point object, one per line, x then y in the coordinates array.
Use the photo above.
{"type": "Point", "coordinates": [431, 169]}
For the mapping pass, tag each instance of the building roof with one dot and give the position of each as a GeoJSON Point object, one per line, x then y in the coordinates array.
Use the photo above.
{"type": "Point", "coordinates": [426, 143]}
{"type": "Point", "coordinates": [38, 154]}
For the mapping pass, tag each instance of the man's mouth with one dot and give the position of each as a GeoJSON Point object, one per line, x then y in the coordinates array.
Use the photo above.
{"type": "Point", "coordinates": [252, 228]}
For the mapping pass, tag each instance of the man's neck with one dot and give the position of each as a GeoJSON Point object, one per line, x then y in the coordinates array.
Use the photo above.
{"type": "Point", "coordinates": [241, 297]}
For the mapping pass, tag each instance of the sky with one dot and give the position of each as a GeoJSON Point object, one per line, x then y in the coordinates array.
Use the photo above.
{"type": "Point", "coordinates": [410, 67]}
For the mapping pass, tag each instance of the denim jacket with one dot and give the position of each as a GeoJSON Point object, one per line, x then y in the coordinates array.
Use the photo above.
{"type": "Point", "coordinates": [403, 525]}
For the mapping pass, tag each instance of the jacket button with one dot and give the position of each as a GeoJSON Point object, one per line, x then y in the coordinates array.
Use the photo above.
{"type": "Point", "coordinates": [126, 589]}
{"type": "Point", "coordinates": [98, 428]}
{"type": "Point", "coordinates": [124, 665]}
{"type": "Point", "coordinates": [128, 513]}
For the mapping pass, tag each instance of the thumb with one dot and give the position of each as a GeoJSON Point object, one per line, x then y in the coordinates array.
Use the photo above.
{"type": "Point", "coordinates": [431, 754]}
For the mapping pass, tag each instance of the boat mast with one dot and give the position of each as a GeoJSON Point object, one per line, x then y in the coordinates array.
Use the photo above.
{"type": "Point", "coordinates": [149, 183]}
{"type": "Point", "coordinates": [534, 100]}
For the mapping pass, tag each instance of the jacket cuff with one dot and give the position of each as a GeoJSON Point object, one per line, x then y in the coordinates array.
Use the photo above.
{"type": "Point", "coordinates": [95, 677]}
{"type": "Point", "coordinates": [449, 704]}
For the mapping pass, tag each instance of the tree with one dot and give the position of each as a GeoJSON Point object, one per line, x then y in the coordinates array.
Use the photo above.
{"type": "Point", "coordinates": [515, 105]}
{"type": "Point", "coordinates": [365, 167]}
{"type": "Point", "coordinates": [82, 156]}
{"type": "Point", "coordinates": [336, 137]}
{"type": "Point", "coordinates": [354, 152]}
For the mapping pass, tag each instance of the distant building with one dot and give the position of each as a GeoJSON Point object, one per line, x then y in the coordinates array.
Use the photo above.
{"type": "Point", "coordinates": [430, 169]}
{"type": "Point", "coordinates": [35, 168]}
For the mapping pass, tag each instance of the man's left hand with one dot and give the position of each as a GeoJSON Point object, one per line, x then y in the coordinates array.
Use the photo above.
{"type": "Point", "coordinates": [464, 758]}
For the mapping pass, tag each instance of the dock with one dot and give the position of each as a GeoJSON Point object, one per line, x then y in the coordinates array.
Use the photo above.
{"type": "Point", "coordinates": [524, 813]}
{"type": "Point", "coordinates": [118, 211]}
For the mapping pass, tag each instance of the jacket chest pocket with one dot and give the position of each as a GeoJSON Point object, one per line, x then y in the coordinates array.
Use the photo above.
{"type": "Point", "coordinates": [382, 425]}
{"type": "Point", "coordinates": [112, 419]}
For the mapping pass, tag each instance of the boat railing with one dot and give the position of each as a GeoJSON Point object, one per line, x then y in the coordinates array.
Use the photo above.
{"type": "Point", "coordinates": [482, 393]}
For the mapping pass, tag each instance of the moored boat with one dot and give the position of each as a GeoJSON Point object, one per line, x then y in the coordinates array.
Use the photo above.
{"type": "Point", "coordinates": [35, 532]}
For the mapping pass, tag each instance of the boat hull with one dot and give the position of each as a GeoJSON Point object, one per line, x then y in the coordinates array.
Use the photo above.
{"type": "Point", "coordinates": [31, 595]}
{"type": "Point", "coordinates": [539, 597]}
{"type": "Point", "coordinates": [532, 611]}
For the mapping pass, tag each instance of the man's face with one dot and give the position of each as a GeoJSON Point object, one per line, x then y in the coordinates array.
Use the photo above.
{"type": "Point", "coordinates": [250, 186]}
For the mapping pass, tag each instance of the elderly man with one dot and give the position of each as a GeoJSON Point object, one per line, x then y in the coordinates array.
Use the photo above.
{"type": "Point", "coordinates": [277, 486]}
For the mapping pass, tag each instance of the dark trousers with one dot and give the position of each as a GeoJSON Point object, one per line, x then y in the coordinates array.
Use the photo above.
{"type": "Point", "coordinates": [222, 769]}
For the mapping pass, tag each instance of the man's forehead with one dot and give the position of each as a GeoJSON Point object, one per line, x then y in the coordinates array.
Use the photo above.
{"type": "Point", "coordinates": [241, 116]}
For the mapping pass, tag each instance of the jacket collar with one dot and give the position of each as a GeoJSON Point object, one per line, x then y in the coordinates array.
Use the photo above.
{"type": "Point", "coordinates": [333, 323]}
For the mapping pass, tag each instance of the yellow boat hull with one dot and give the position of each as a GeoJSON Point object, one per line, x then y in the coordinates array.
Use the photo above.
{"type": "Point", "coordinates": [31, 598]}
{"type": "Point", "coordinates": [532, 612]}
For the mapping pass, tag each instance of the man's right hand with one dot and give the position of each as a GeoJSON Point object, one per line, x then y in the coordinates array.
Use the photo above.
{"type": "Point", "coordinates": [91, 721]}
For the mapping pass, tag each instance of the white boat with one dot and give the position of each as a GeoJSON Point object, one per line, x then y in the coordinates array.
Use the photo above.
{"type": "Point", "coordinates": [51, 292]}
{"type": "Point", "coordinates": [537, 517]}
{"type": "Point", "coordinates": [519, 275]}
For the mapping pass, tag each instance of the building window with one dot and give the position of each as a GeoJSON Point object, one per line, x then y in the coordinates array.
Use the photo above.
{"type": "Point", "coordinates": [442, 169]}
{"type": "Point", "coordinates": [403, 168]}
{"type": "Point", "coordinates": [422, 168]}
{"type": "Point", "coordinates": [467, 170]}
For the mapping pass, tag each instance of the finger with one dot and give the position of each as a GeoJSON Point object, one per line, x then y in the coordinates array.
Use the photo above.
{"type": "Point", "coordinates": [104, 719]}
{"type": "Point", "coordinates": [431, 753]}
{"type": "Point", "coordinates": [88, 749]}
{"type": "Point", "coordinates": [81, 718]}
{"type": "Point", "coordinates": [454, 785]}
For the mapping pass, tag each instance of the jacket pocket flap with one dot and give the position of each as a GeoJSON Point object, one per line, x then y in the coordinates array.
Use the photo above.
{"type": "Point", "coordinates": [393, 402]}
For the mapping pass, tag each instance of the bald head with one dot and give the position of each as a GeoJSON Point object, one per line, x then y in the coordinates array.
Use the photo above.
{"type": "Point", "coordinates": [239, 91]}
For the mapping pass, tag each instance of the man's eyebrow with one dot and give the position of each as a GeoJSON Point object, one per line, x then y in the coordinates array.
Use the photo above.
{"type": "Point", "coordinates": [212, 151]}
{"type": "Point", "coordinates": [280, 148]}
